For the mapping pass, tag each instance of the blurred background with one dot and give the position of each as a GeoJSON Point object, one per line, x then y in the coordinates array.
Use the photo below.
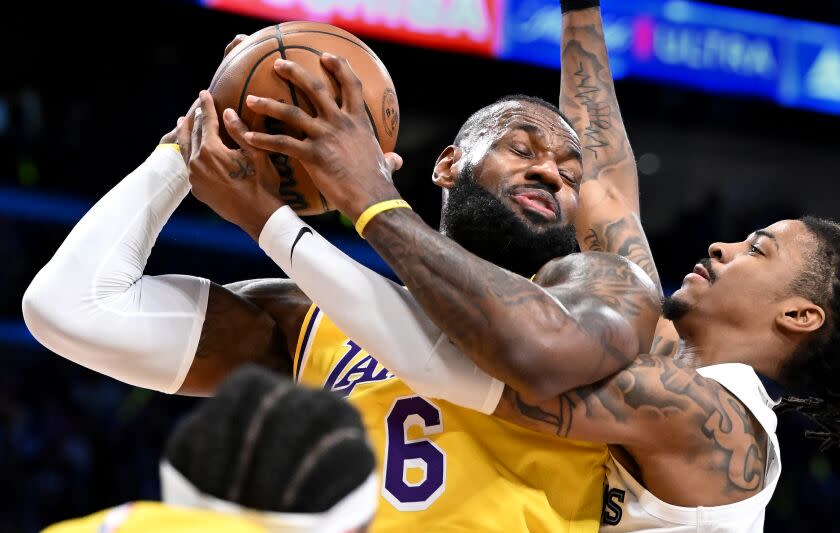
{"type": "Point", "coordinates": [733, 109]}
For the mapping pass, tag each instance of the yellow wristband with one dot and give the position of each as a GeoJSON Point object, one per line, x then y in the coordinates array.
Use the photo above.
{"type": "Point", "coordinates": [171, 146]}
{"type": "Point", "coordinates": [376, 209]}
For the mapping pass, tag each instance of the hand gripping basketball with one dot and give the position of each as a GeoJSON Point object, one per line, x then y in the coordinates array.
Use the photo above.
{"type": "Point", "coordinates": [340, 151]}
{"type": "Point", "coordinates": [239, 185]}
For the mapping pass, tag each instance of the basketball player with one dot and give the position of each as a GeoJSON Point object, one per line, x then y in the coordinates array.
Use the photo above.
{"type": "Point", "coordinates": [260, 456]}
{"type": "Point", "coordinates": [440, 469]}
{"type": "Point", "coordinates": [708, 401]}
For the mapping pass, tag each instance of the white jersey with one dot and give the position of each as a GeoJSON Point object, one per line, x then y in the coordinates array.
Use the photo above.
{"type": "Point", "coordinates": [628, 506]}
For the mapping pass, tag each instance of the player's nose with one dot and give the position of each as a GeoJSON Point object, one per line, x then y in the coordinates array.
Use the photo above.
{"type": "Point", "coordinates": [545, 171]}
{"type": "Point", "coordinates": [722, 252]}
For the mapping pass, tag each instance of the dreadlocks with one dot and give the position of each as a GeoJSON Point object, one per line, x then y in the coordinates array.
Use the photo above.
{"type": "Point", "coordinates": [814, 368]}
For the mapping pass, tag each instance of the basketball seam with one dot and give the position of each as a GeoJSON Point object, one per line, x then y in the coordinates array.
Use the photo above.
{"type": "Point", "coordinates": [279, 36]}
{"type": "Point", "coordinates": [248, 80]}
{"type": "Point", "coordinates": [229, 59]}
{"type": "Point", "coordinates": [367, 109]}
{"type": "Point", "coordinates": [351, 41]}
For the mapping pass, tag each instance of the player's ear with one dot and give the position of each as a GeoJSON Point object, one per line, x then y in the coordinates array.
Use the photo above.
{"type": "Point", "coordinates": [800, 316]}
{"type": "Point", "coordinates": [446, 168]}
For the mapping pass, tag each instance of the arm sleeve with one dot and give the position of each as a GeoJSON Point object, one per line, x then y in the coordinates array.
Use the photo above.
{"type": "Point", "coordinates": [92, 304]}
{"type": "Point", "coordinates": [378, 314]}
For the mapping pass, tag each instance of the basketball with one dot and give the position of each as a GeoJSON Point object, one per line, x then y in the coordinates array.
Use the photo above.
{"type": "Point", "coordinates": [249, 69]}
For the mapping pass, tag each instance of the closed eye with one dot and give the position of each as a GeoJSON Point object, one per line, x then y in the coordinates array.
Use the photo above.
{"type": "Point", "coordinates": [521, 150]}
{"type": "Point", "coordinates": [569, 177]}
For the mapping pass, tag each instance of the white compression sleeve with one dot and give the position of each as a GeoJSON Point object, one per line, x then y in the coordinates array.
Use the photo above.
{"type": "Point", "coordinates": [378, 314]}
{"type": "Point", "coordinates": [92, 304]}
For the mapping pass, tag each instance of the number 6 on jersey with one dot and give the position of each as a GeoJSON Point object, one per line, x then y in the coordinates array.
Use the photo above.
{"type": "Point", "coordinates": [402, 454]}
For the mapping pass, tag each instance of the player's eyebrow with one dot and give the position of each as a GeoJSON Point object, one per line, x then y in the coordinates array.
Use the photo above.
{"type": "Point", "coordinates": [570, 148]}
{"type": "Point", "coordinates": [527, 128]}
{"type": "Point", "coordinates": [769, 235]}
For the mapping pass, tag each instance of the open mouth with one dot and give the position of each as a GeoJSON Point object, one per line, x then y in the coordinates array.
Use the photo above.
{"type": "Point", "coordinates": [537, 201]}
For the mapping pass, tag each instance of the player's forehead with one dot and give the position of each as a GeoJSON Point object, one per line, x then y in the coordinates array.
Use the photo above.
{"type": "Point", "coordinates": [521, 115]}
{"type": "Point", "coordinates": [786, 234]}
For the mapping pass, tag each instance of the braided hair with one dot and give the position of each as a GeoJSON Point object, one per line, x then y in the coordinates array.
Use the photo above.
{"type": "Point", "coordinates": [266, 444]}
{"type": "Point", "coordinates": [813, 370]}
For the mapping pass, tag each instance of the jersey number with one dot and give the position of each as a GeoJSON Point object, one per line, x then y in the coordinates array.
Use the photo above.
{"type": "Point", "coordinates": [403, 454]}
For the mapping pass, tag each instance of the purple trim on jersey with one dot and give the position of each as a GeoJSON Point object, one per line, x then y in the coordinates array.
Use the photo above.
{"type": "Point", "coordinates": [305, 344]}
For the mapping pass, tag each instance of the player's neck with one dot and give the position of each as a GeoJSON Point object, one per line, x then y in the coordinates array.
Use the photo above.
{"type": "Point", "coordinates": [714, 346]}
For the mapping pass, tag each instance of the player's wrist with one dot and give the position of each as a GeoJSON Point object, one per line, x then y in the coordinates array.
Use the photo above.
{"type": "Point", "coordinates": [377, 228]}
{"type": "Point", "coordinates": [577, 5]}
{"type": "Point", "coordinates": [259, 214]}
{"type": "Point", "coordinates": [355, 207]}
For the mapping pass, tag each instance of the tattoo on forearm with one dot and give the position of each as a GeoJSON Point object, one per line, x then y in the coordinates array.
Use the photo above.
{"type": "Point", "coordinates": [592, 242]}
{"type": "Point", "coordinates": [598, 113]}
{"type": "Point", "coordinates": [561, 418]}
{"type": "Point", "coordinates": [626, 238]}
{"type": "Point", "coordinates": [655, 388]}
{"type": "Point", "coordinates": [663, 346]}
{"type": "Point", "coordinates": [588, 98]}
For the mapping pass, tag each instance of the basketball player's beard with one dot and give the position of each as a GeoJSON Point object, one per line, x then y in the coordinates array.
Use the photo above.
{"type": "Point", "coordinates": [674, 309]}
{"type": "Point", "coordinates": [485, 226]}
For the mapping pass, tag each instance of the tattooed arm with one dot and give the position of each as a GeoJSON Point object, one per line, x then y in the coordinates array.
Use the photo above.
{"type": "Point", "coordinates": [680, 428]}
{"type": "Point", "coordinates": [608, 216]}
{"type": "Point", "coordinates": [587, 97]}
{"type": "Point", "coordinates": [510, 327]}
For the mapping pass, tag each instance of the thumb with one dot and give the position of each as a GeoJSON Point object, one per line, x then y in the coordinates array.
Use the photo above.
{"type": "Point", "coordinates": [394, 161]}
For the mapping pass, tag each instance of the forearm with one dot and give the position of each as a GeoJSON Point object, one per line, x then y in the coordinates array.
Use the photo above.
{"type": "Point", "coordinates": [608, 215]}
{"type": "Point", "coordinates": [392, 326]}
{"type": "Point", "coordinates": [587, 97]}
{"type": "Point", "coordinates": [510, 327]}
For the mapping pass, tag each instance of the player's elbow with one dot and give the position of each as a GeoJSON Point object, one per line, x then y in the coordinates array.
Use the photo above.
{"type": "Point", "coordinates": [48, 313]}
{"type": "Point", "coordinates": [535, 372]}
{"type": "Point", "coordinates": [571, 359]}
{"type": "Point", "coordinates": [36, 309]}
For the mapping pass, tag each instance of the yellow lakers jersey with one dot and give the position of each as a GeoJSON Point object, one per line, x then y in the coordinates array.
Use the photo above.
{"type": "Point", "coordinates": [145, 517]}
{"type": "Point", "coordinates": [447, 468]}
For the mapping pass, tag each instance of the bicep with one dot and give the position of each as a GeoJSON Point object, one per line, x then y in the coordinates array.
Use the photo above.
{"type": "Point", "coordinates": [239, 328]}
{"type": "Point", "coordinates": [613, 310]}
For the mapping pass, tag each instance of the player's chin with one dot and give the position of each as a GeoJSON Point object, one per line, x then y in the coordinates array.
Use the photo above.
{"type": "Point", "coordinates": [678, 305]}
{"type": "Point", "coordinates": [690, 294]}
